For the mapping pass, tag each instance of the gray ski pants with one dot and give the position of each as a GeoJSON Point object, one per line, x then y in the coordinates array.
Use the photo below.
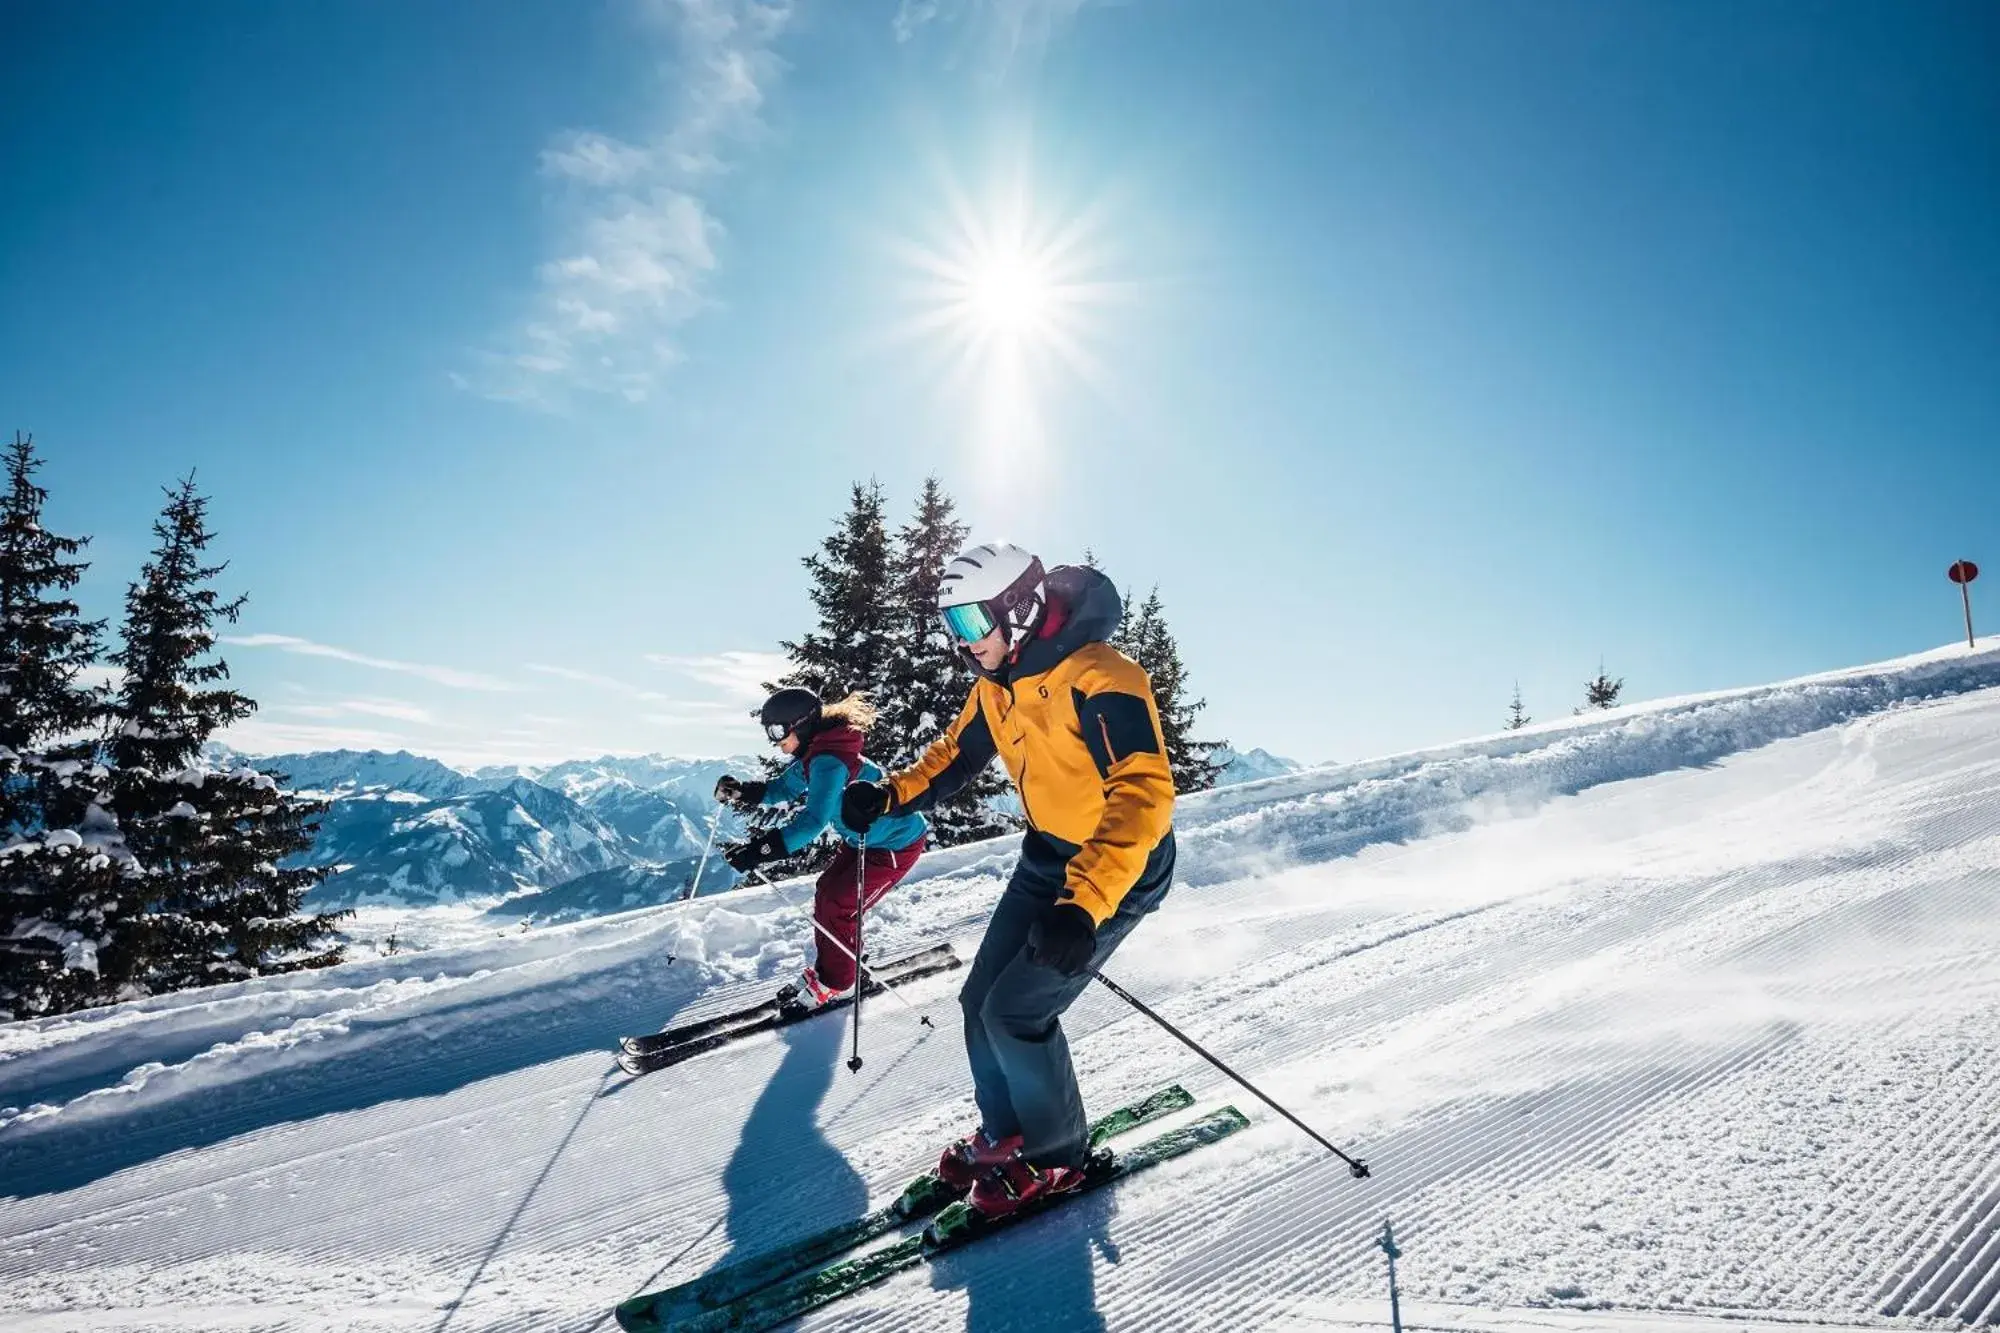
{"type": "Point", "coordinates": [1021, 1073]}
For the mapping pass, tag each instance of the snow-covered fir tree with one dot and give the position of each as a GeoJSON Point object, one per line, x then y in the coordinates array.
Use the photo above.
{"type": "Point", "coordinates": [57, 889]}
{"type": "Point", "coordinates": [1145, 638]}
{"type": "Point", "coordinates": [1517, 716]}
{"type": "Point", "coordinates": [928, 682]}
{"type": "Point", "coordinates": [208, 842]}
{"type": "Point", "coordinates": [1602, 692]}
{"type": "Point", "coordinates": [854, 642]}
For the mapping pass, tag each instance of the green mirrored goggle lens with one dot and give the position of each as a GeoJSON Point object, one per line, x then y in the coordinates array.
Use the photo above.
{"type": "Point", "coordinates": [968, 623]}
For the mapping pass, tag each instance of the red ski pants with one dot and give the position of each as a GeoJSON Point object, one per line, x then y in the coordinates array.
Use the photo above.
{"type": "Point", "coordinates": [836, 909]}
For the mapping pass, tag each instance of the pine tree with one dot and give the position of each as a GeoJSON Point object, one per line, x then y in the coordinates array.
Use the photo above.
{"type": "Point", "coordinates": [57, 887]}
{"type": "Point", "coordinates": [1143, 636]}
{"type": "Point", "coordinates": [853, 645]}
{"type": "Point", "coordinates": [1517, 716]}
{"type": "Point", "coordinates": [1603, 692]}
{"type": "Point", "coordinates": [927, 682]}
{"type": "Point", "coordinates": [209, 842]}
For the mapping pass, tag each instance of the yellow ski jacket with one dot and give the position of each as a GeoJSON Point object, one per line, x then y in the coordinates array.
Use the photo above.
{"type": "Point", "coordinates": [1075, 723]}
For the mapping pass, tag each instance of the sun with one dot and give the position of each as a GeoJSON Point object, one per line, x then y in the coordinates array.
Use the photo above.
{"type": "Point", "coordinates": [1009, 295]}
{"type": "Point", "coordinates": [1006, 290]}
{"type": "Point", "coordinates": [1009, 298]}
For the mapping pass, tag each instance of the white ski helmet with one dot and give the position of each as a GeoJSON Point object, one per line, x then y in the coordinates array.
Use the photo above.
{"type": "Point", "coordinates": [992, 584]}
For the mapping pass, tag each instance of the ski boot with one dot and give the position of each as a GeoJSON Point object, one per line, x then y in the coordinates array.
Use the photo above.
{"type": "Point", "coordinates": [1016, 1183]}
{"type": "Point", "coordinates": [806, 994]}
{"type": "Point", "coordinates": [965, 1161]}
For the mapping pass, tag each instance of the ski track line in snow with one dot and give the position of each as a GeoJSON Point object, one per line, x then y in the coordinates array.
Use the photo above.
{"type": "Point", "coordinates": [1943, 1284]}
{"type": "Point", "coordinates": [1868, 1166]}
{"type": "Point", "coordinates": [1413, 1226]}
{"type": "Point", "coordinates": [1873, 1171]}
{"type": "Point", "coordinates": [1916, 1290]}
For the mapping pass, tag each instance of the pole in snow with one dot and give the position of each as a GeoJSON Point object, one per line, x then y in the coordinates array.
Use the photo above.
{"type": "Point", "coordinates": [1388, 1244]}
{"type": "Point", "coordinates": [1963, 573]}
{"type": "Point", "coordinates": [860, 971]}
{"type": "Point", "coordinates": [702, 865]}
{"type": "Point", "coordinates": [1358, 1168]}
{"type": "Point", "coordinates": [860, 977]}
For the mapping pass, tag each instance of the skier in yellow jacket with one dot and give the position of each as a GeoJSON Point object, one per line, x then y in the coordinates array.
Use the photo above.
{"type": "Point", "coordinates": [1075, 723]}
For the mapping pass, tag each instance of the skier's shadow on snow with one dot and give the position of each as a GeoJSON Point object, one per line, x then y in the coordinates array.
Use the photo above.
{"type": "Point", "coordinates": [1036, 1278]}
{"type": "Point", "coordinates": [785, 1179]}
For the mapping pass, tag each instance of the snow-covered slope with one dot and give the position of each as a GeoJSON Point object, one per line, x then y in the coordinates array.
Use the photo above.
{"type": "Point", "coordinates": [1687, 1010]}
{"type": "Point", "coordinates": [618, 889]}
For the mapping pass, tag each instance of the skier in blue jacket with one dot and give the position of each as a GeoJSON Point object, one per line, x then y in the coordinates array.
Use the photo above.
{"type": "Point", "coordinates": [825, 744]}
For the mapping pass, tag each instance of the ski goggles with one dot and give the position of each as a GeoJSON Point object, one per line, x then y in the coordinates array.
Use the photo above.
{"type": "Point", "coordinates": [969, 622]}
{"type": "Point", "coordinates": [777, 731]}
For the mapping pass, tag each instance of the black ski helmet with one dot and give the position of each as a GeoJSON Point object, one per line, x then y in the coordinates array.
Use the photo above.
{"type": "Point", "coordinates": [787, 711]}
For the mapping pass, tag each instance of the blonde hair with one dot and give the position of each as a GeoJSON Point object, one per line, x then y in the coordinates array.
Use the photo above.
{"type": "Point", "coordinates": [855, 710]}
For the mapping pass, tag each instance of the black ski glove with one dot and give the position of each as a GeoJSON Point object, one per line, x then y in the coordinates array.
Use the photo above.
{"type": "Point", "coordinates": [865, 802]}
{"type": "Point", "coordinates": [745, 796]}
{"type": "Point", "coordinates": [743, 857]}
{"type": "Point", "coordinates": [1063, 939]}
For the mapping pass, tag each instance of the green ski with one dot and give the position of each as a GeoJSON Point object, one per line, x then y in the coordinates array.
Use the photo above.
{"type": "Point", "coordinates": [783, 1296]}
{"type": "Point", "coordinates": [925, 1195]}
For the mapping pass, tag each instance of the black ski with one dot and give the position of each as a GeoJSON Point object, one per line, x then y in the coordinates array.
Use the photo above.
{"type": "Point", "coordinates": [674, 1036]}
{"type": "Point", "coordinates": [657, 1050]}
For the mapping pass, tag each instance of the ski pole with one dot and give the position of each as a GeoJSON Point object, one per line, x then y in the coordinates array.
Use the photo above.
{"type": "Point", "coordinates": [859, 967]}
{"type": "Point", "coordinates": [1359, 1168]}
{"type": "Point", "coordinates": [860, 912]}
{"type": "Point", "coordinates": [702, 865]}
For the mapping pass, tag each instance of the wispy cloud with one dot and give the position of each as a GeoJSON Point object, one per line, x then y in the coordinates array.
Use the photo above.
{"type": "Point", "coordinates": [393, 709]}
{"type": "Point", "coordinates": [441, 675]}
{"type": "Point", "coordinates": [739, 672]}
{"type": "Point", "coordinates": [697, 712]}
{"type": "Point", "coordinates": [261, 735]}
{"type": "Point", "coordinates": [994, 33]}
{"type": "Point", "coordinates": [597, 681]}
{"type": "Point", "coordinates": [639, 239]}
{"type": "Point", "coordinates": [320, 711]}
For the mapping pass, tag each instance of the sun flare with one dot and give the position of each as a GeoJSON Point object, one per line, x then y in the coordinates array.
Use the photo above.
{"type": "Point", "coordinates": [1009, 301]}
{"type": "Point", "coordinates": [1008, 295]}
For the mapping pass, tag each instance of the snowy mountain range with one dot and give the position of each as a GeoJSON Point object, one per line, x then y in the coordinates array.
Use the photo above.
{"type": "Point", "coordinates": [1240, 766]}
{"type": "Point", "coordinates": [547, 843]}
{"type": "Point", "coordinates": [602, 834]}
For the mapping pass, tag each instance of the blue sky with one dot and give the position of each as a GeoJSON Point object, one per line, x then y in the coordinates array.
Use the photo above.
{"type": "Point", "coordinates": [1410, 349]}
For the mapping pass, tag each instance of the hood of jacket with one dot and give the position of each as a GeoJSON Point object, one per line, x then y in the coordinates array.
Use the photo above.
{"type": "Point", "coordinates": [1084, 607]}
{"type": "Point", "coordinates": [841, 740]}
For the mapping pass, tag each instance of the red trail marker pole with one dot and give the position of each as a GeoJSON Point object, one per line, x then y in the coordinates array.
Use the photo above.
{"type": "Point", "coordinates": [1962, 573]}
